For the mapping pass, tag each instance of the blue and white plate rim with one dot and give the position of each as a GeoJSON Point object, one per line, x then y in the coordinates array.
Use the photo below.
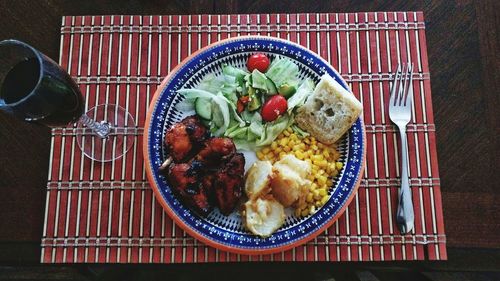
{"type": "Point", "coordinates": [213, 235]}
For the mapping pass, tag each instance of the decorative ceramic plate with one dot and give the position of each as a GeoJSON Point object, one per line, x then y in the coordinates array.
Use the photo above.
{"type": "Point", "coordinates": [227, 232]}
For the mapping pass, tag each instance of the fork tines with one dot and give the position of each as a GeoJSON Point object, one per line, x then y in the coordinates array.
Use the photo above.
{"type": "Point", "coordinates": [402, 85]}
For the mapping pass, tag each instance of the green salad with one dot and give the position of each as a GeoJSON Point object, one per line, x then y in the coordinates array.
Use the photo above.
{"type": "Point", "coordinates": [252, 106]}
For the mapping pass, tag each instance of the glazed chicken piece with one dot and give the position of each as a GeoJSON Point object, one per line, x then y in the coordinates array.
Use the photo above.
{"type": "Point", "coordinates": [185, 181]}
{"type": "Point", "coordinates": [185, 138]}
{"type": "Point", "coordinates": [228, 183]}
{"type": "Point", "coordinates": [215, 151]}
{"type": "Point", "coordinates": [208, 185]}
{"type": "Point", "coordinates": [202, 171]}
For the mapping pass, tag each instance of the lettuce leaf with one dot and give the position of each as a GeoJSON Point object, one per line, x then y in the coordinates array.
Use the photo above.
{"type": "Point", "coordinates": [283, 71]}
{"type": "Point", "coordinates": [298, 99]}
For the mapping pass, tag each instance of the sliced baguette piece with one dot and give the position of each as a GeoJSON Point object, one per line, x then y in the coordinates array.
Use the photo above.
{"type": "Point", "coordinates": [329, 112]}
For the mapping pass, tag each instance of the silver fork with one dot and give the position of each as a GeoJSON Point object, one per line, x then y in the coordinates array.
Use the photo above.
{"type": "Point", "coordinates": [400, 113]}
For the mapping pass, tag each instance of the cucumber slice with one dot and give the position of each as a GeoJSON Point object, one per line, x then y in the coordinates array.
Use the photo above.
{"type": "Point", "coordinates": [283, 71]}
{"type": "Point", "coordinates": [203, 108]}
{"type": "Point", "coordinates": [271, 88]}
{"type": "Point", "coordinates": [259, 80]}
{"type": "Point", "coordinates": [217, 115]}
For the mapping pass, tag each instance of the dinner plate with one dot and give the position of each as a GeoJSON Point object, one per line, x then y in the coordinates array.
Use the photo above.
{"type": "Point", "coordinates": [227, 232]}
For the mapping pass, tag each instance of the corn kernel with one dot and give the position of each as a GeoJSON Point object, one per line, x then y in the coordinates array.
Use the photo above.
{"type": "Point", "coordinates": [315, 192]}
{"type": "Point", "coordinates": [324, 199]}
{"type": "Point", "coordinates": [289, 129]}
{"type": "Point", "coordinates": [321, 180]}
{"type": "Point", "coordinates": [287, 149]}
{"type": "Point", "coordinates": [284, 141]}
{"type": "Point", "coordinates": [305, 212]}
{"type": "Point", "coordinates": [293, 136]}
{"type": "Point", "coordinates": [314, 147]}
{"type": "Point", "coordinates": [274, 145]}
{"type": "Point", "coordinates": [339, 165]}
{"type": "Point", "coordinates": [260, 155]}
{"type": "Point", "coordinates": [297, 212]}
{"type": "Point", "coordinates": [314, 171]}
{"type": "Point", "coordinates": [296, 147]}
{"type": "Point", "coordinates": [322, 191]}
{"type": "Point", "coordinates": [318, 204]}
{"type": "Point", "coordinates": [317, 158]}
{"type": "Point", "coordinates": [266, 150]}
{"type": "Point", "coordinates": [286, 133]}
{"type": "Point", "coordinates": [312, 209]}
{"type": "Point", "coordinates": [332, 166]}
{"type": "Point", "coordinates": [309, 198]}
{"type": "Point", "coordinates": [299, 154]}
{"type": "Point", "coordinates": [326, 154]}
{"type": "Point", "coordinates": [282, 154]}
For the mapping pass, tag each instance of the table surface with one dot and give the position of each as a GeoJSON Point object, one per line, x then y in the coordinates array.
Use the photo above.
{"type": "Point", "coordinates": [462, 40]}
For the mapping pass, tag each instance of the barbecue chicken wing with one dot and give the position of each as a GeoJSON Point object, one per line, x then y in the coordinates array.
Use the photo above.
{"type": "Point", "coordinates": [185, 138]}
{"type": "Point", "coordinates": [185, 180]}
{"type": "Point", "coordinates": [228, 183]}
{"type": "Point", "coordinates": [215, 151]}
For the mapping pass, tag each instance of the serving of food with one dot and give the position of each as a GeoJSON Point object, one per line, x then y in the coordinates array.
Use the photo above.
{"type": "Point", "coordinates": [254, 144]}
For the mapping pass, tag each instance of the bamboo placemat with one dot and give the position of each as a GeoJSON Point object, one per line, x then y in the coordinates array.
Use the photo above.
{"type": "Point", "coordinates": [107, 212]}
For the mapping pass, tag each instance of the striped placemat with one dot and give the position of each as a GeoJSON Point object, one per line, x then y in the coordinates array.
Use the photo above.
{"type": "Point", "coordinates": [107, 212]}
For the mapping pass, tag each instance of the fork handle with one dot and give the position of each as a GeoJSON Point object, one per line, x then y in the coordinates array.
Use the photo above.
{"type": "Point", "coordinates": [405, 216]}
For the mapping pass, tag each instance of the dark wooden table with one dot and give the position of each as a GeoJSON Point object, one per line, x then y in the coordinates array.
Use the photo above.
{"type": "Point", "coordinates": [463, 45]}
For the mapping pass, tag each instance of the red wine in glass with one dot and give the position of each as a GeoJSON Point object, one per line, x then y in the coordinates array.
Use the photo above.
{"type": "Point", "coordinates": [35, 88]}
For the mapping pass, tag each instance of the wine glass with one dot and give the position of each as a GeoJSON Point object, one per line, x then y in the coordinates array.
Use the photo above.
{"type": "Point", "coordinates": [36, 89]}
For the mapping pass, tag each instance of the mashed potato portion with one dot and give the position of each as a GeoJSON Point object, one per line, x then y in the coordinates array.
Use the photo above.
{"type": "Point", "coordinates": [264, 216]}
{"type": "Point", "coordinates": [258, 178]}
{"type": "Point", "coordinates": [289, 182]}
{"type": "Point", "coordinates": [271, 188]}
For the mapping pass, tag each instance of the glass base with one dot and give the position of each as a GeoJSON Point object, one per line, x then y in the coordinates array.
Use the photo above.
{"type": "Point", "coordinates": [116, 143]}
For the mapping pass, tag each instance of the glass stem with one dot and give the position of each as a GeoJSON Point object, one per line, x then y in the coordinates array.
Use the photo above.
{"type": "Point", "coordinates": [102, 129]}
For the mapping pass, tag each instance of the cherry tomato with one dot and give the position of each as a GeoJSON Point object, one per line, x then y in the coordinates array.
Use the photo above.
{"type": "Point", "coordinates": [258, 61]}
{"type": "Point", "coordinates": [273, 108]}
